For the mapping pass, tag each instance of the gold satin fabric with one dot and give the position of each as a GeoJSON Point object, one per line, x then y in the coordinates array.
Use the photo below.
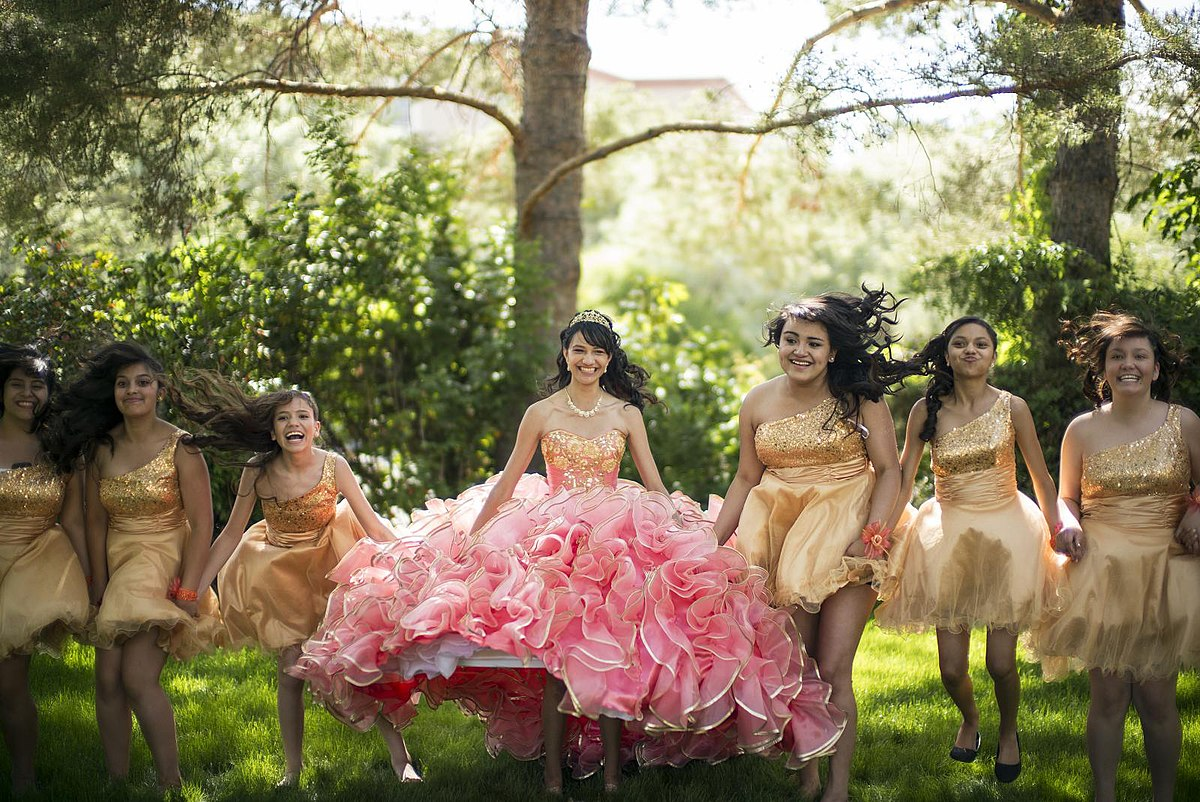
{"type": "Point", "coordinates": [1134, 598]}
{"type": "Point", "coordinates": [148, 532]}
{"type": "Point", "coordinates": [274, 588]}
{"type": "Point", "coordinates": [43, 592]}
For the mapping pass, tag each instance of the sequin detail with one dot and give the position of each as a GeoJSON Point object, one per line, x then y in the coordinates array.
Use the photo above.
{"type": "Point", "coordinates": [810, 438]}
{"type": "Point", "coordinates": [1155, 465]}
{"type": "Point", "coordinates": [979, 444]}
{"type": "Point", "coordinates": [307, 512]}
{"type": "Point", "coordinates": [574, 461]}
{"type": "Point", "coordinates": [32, 492]}
{"type": "Point", "coordinates": [152, 489]}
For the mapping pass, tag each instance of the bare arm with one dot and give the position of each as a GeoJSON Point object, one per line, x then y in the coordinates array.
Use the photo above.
{"type": "Point", "coordinates": [528, 435]}
{"type": "Point", "coordinates": [348, 486]}
{"type": "Point", "coordinates": [1035, 461]}
{"type": "Point", "coordinates": [1188, 531]}
{"type": "Point", "coordinates": [96, 531]}
{"type": "Point", "coordinates": [749, 474]}
{"type": "Point", "coordinates": [881, 450]}
{"type": "Point", "coordinates": [196, 494]}
{"type": "Point", "coordinates": [71, 518]}
{"type": "Point", "coordinates": [639, 449]}
{"type": "Point", "coordinates": [1070, 540]}
{"type": "Point", "coordinates": [231, 535]}
{"type": "Point", "coordinates": [910, 462]}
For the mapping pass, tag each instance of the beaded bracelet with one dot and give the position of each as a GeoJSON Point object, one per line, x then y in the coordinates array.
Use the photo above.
{"type": "Point", "coordinates": [185, 595]}
{"type": "Point", "coordinates": [875, 538]}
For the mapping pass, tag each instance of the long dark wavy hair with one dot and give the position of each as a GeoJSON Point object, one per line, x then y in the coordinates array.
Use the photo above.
{"type": "Point", "coordinates": [931, 360]}
{"type": "Point", "coordinates": [35, 363]}
{"type": "Point", "coordinates": [231, 419]}
{"type": "Point", "coordinates": [86, 412]}
{"type": "Point", "coordinates": [621, 378]}
{"type": "Point", "coordinates": [858, 332]}
{"type": "Point", "coordinates": [1087, 340]}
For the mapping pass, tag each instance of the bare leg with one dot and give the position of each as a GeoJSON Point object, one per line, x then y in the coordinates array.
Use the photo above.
{"type": "Point", "coordinates": [113, 715]}
{"type": "Point", "coordinates": [610, 738]}
{"type": "Point", "coordinates": [18, 719]}
{"type": "Point", "coordinates": [402, 763]}
{"type": "Point", "coordinates": [553, 725]}
{"type": "Point", "coordinates": [954, 663]}
{"type": "Point", "coordinates": [142, 663]}
{"type": "Point", "coordinates": [289, 701]}
{"type": "Point", "coordinates": [1110, 698]}
{"type": "Point", "coordinates": [842, 619]}
{"type": "Point", "coordinates": [1002, 666]}
{"type": "Point", "coordinates": [1161, 731]}
{"type": "Point", "coordinates": [806, 626]}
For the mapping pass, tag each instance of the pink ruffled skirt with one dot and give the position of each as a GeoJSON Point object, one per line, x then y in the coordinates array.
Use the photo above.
{"type": "Point", "coordinates": [640, 615]}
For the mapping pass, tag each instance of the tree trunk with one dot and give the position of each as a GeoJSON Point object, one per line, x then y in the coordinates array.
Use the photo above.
{"type": "Point", "coordinates": [554, 59]}
{"type": "Point", "coordinates": [1083, 180]}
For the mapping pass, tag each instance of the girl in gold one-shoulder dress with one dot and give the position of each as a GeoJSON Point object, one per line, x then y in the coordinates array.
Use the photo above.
{"type": "Point", "coordinates": [43, 592]}
{"type": "Point", "coordinates": [149, 517]}
{"type": "Point", "coordinates": [1133, 585]}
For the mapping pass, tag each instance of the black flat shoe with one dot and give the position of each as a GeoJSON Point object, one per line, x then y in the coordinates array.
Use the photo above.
{"type": "Point", "coordinates": [1007, 772]}
{"type": "Point", "coordinates": [964, 755]}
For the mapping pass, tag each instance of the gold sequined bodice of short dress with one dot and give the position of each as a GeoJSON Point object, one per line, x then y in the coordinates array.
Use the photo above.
{"type": "Point", "coordinates": [33, 492]}
{"type": "Point", "coordinates": [574, 461]}
{"type": "Point", "coordinates": [150, 490]}
{"type": "Point", "coordinates": [979, 444]}
{"type": "Point", "coordinates": [818, 436]}
{"type": "Point", "coordinates": [307, 512]}
{"type": "Point", "coordinates": [1155, 465]}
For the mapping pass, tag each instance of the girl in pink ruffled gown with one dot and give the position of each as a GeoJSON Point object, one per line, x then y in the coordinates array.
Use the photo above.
{"type": "Point", "coordinates": [271, 577]}
{"type": "Point", "coordinates": [638, 617]}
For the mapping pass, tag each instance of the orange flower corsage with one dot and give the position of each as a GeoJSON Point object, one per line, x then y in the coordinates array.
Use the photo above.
{"type": "Point", "coordinates": [877, 539]}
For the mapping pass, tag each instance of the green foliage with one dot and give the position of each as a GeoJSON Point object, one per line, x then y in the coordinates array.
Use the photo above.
{"type": "Point", "coordinates": [1174, 198]}
{"type": "Point", "coordinates": [701, 378]}
{"type": "Point", "coordinates": [369, 295]}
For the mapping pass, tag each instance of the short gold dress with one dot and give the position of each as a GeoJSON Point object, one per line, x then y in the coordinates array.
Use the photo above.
{"type": "Point", "coordinates": [43, 592]}
{"type": "Point", "coordinates": [274, 588]}
{"type": "Point", "coordinates": [809, 507]}
{"type": "Point", "coordinates": [978, 553]}
{"type": "Point", "coordinates": [1134, 596]}
{"type": "Point", "coordinates": [148, 532]}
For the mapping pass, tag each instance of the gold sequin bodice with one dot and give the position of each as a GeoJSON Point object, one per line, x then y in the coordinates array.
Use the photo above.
{"type": "Point", "coordinates": [574, 461]}
{"type": "Point", "coordinates": [310, 511]}
{"type": "Point", "coordinates": [979, 444]}
{"type": "Point", "coordinates": [1157, 464]}
{"type": "Point", "coordinates": [33, 493]}
{"type": "Point", "coordinates": [150, 490]}
{"type": "Point", "coordinates": [815, 437]}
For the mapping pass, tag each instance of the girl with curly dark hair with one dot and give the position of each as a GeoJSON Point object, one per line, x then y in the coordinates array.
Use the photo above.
{"type": "Point", "coordinates": [978, 553]}
{"type": "Point", "coordinates": [817, 479]}
{"type": "Point", "coordinates": [272, 578]}
{"type": "Point", "coordinates": [149, 521]}
{"type": "Point", "coordinates": [1132, 531]}
{"type": "Point", "coordinates": [43, 557]}
{"type": "Point", "coordinates": [619, 591]}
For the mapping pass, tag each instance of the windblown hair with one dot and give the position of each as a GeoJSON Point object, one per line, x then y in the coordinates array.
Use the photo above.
{"type": "Point", "coordinates": [35, 363]}
{"type": "Point", "coordinates": [233, 420]}
{"type": "Point", "coordinates": [1087, 340]}
{"type": "Point", "coordinates": [86, 411]}
{"type": "Point", "coordinates": [621, 378]}
{"type": "Point", "coordinates": [931, 360]}
{"type": "Point", "coordinates": [863, 367]}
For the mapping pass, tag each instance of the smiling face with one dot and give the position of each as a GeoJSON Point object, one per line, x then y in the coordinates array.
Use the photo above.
{"type": "Point", "coordinates": [295, 425]}
{"type": "Point", "coordinates": [136, 390]}
{"type": "Point", "coordinates": [970, 352]}
{"type": "Point", "coordinates": [25, 396]}
{"type": "Point", "coordinates": [804, 350]}
{"type": "Point", "coordinates": [1130, 366]}
{"type": "Point", "coordinates": [585, 362]}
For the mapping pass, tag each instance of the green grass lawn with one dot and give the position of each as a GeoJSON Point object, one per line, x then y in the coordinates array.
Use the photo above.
{"type": "Point", "coordinates": [229, 744]}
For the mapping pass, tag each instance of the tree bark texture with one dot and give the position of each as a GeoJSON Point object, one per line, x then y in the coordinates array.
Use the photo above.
{"type": "Point", "coordinates": [1083, 180]}
{"type": "Point", "coordinates": [554, 59]}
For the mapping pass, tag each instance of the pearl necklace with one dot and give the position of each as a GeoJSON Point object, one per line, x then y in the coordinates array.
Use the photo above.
{"type": "Point", "coordinates": [583, 413]}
